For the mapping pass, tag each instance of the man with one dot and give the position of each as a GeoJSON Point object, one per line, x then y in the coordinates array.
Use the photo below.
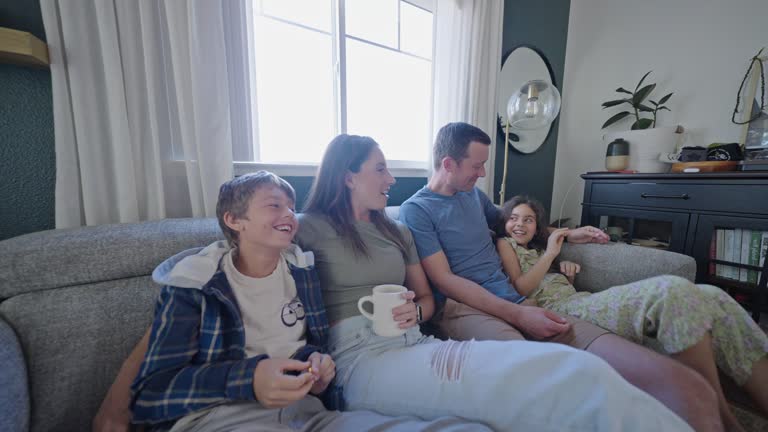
{"type": "Point", "coordinates": [451, 219]}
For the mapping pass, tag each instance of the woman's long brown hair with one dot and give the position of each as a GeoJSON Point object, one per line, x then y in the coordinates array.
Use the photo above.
{"type": "Point", "coordinates": [330, 196]}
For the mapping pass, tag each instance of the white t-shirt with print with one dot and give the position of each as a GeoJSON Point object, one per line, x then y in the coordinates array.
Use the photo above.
{"type": "Point", "coordinates": [272, 313]}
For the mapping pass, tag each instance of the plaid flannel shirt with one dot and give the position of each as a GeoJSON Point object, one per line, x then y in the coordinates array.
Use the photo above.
{"type": "Point", "coordinates": [196, 356]}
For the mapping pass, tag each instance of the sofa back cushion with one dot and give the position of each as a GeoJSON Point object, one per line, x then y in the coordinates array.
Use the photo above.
{"type": "Point", "coordinates": [79, 300]}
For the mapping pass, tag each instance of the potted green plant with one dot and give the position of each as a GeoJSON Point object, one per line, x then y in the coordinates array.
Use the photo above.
{"type": "Point", "coordinates": [646, 140]}
{"type": "Point", "coordinates": [636, 101]}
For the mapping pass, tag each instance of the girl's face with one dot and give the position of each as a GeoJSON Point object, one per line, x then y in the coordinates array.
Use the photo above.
{"type": "Point", "coordinates": [521, 224]}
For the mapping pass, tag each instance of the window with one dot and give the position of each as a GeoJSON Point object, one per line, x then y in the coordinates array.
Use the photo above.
{"type": "Point", "coordinates": [324, 67]}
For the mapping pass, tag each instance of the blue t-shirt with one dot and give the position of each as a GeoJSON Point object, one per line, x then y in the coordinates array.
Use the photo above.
{"type": "Point", "coordinates": [459, 225]}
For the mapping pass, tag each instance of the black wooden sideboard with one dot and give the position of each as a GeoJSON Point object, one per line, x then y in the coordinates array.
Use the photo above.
{"type": "Point", "coordinates": [683, 213]}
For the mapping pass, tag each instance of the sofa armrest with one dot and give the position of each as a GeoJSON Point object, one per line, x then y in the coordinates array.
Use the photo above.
{"type": "Point", "coordinates": [604, 266]}
{"type": "Point", "coordinates": [14, 397]}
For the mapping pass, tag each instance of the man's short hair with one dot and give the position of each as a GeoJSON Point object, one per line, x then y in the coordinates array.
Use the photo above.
{"type": "Point", "coordinates": [453, 141]}
{"type": "Point", "coordinates": [235, 195]}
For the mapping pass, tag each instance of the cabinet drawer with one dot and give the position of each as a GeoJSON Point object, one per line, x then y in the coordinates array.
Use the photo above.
{"type": "Point", "coordinates": [712, 197]}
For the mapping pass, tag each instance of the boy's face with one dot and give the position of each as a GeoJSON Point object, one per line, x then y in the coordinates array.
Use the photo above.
{"type": "Point", "coordinates": [269, 222]}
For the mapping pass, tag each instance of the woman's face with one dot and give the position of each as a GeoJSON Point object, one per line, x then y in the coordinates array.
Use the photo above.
{"type": "Point", "coordinates": [369, 188]}
{"type": "Point", "coordinates": [521, 224]}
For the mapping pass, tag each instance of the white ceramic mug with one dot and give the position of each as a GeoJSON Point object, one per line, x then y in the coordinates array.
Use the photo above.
{"type": "Point", "coordinates": [384, 299]}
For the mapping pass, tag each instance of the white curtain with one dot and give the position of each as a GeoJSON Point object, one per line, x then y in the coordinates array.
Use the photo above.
{"type": "Point", "coordinates": [141, 89]}
{"type": "Point", "coordinates": [466, 67]}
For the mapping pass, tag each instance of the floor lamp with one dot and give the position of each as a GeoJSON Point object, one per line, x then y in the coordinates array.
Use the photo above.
{"type": "Point", "coordinates": [535, 105]}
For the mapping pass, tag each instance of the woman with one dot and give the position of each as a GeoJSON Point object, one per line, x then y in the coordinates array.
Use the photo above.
{"type": "Point", "coordinates": [507, 385]}
{"type": "Point", "coordinates": [699, 325]}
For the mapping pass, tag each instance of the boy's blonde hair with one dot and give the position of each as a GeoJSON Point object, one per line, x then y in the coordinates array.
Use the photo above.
{"type": "Point", "coordinates": [235, 195]}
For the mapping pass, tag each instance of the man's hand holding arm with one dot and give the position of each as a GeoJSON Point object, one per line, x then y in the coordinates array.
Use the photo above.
{"type": "Point", "coordinates": [534, 321]}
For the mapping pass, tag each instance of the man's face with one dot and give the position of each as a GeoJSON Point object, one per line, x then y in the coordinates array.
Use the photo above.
{"type": "Point", "coordinates": [464, 174]}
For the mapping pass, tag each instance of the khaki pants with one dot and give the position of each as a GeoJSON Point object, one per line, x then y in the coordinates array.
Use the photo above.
{"type": "Point", "coordinates": [461, 322]}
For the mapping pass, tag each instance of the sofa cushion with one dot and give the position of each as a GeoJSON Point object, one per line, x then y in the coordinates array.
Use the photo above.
{"type": "Point", "coordinates": [14, 398]}
{"type": "Point", "coordinates": [74, 340]}
{"type": "Point", "coordinates": [94, 254]}
{"type": "Point", "coordinates": [604, 266]}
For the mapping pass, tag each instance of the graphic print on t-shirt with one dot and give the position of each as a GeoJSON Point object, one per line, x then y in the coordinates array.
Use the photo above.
{"type": "Point", "coordinates": [293, 312]}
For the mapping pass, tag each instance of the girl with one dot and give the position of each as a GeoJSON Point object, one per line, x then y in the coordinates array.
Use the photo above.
{"type": "Point", "coordinates": [700, 325]}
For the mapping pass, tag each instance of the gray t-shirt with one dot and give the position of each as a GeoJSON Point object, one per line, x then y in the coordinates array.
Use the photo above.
{"type": "Point", "coordinates": [459, 225]}
{"type": "Point", "coordinates": [345, 276]}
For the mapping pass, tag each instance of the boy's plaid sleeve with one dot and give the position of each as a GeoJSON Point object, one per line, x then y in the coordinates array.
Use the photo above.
{"type": "Point", "coordinates": [168, 385]}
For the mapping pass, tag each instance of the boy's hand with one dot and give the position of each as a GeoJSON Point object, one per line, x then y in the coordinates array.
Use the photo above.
{"type": "Point", "coordinates": [274, 389]}
{"type": "Point", "coordinates": [324, 369]}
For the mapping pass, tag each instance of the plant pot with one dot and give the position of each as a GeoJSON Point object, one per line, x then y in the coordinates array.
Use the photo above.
{"type": "Point", "coordinates": [645, 146]}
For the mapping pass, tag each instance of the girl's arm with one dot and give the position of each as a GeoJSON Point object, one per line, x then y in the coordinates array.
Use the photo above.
{"type": "Point", "coordinates": [526, 283]}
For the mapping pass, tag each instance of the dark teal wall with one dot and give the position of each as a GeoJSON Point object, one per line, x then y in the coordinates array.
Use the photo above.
{"type": "Point", "coordinates": [27, 160]}
{"type": "Point", "coordinates": [544, 26]}
{"type": "Point", "coordinates": [401, 191]}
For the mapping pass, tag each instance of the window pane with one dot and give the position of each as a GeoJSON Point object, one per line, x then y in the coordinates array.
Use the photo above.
{"type": "Point", "coordinates": [373, 20]}
{"type": "Point", "coordinates": [415, 30]}
{"type": "Point", "coordinates": [388, 98]}
{"type": "Point", "coordinates": [312, 13]}
{"type": "Point", "coordinates": [294, 91]}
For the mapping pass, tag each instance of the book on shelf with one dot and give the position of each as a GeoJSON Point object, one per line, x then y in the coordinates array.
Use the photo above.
{"type": "Point", "coordinates": [720, 252]}
{"type": "Point", "coordinates": [742, 246]}
{"type": "Point", "coordinates": [755, 239]}
{"type": "Point", "coordinates": [746, 239]}
{"type": "Point", "coordinates": [763, 250]}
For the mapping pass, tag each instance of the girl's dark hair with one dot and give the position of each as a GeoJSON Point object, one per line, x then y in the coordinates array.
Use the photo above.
{"type": "Point", "coordinates": [539, 240]}
{"type": "Point", "coordinates": [330, 196]}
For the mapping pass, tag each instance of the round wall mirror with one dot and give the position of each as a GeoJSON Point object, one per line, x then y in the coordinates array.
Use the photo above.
{"type": "Point", "coordinates": [523, 64]}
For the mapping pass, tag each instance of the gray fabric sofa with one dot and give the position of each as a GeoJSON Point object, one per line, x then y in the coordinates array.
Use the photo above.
{"type": "Point", "coordinates": [74, 302]}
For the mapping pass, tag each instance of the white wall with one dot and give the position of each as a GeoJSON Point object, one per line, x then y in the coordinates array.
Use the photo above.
{"type": "Point", "coordinates": [697, 48]}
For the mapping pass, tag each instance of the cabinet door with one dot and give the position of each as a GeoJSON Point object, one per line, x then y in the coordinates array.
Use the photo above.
{"type": "Point", "coordinates": [730, 252]}
{"type": "Point", "coordinates": [657, 229]}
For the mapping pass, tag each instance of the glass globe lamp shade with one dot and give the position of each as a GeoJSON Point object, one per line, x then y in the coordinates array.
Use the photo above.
{"type": "Point", "coordinates": [534, 106]}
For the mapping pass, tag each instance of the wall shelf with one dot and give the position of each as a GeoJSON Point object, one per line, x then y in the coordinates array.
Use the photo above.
{"type": "Point", "coordinates": [22, 48]}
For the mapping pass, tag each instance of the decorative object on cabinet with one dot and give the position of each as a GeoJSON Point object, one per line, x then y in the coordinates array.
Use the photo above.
{"type": "Point", "coordinates": [22, 48]}
{"type": "Point", "coordinates": [754, 112]}
{"type": "Point", "coordinates": [688, 212]}
{"type": "Point", "coordinates": [617, 155]}
{"type": "Point", "coordinates": [647, 145]}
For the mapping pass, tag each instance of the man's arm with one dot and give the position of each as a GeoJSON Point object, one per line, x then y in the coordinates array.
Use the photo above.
{"type": "Point", "coordinates": [585, 234]}
{"type": "Point", "coordinates": [535, 321]}
{"type": "Point", "coordinates": [115, 411]}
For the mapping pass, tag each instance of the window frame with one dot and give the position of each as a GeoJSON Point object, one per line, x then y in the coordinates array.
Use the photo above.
{"type": "Point", "coordinates": [248, 144]}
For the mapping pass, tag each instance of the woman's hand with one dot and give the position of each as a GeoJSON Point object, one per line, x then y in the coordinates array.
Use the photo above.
{"type": "Point", "coordinates": [405, 314]}
{"type": "Point", "coordinates": [569, 269]}
{"type": "Point", "coordinates": [555, 241]}
{"type": "Point", "coordinates": [324, 370]}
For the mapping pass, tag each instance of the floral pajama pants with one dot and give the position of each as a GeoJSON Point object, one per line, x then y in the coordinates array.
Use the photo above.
{"type": "Point", "coordinates": [670, 314]}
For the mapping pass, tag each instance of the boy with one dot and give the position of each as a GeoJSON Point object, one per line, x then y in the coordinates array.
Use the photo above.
{"type": "Point", "coordinates": [238, 330]}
